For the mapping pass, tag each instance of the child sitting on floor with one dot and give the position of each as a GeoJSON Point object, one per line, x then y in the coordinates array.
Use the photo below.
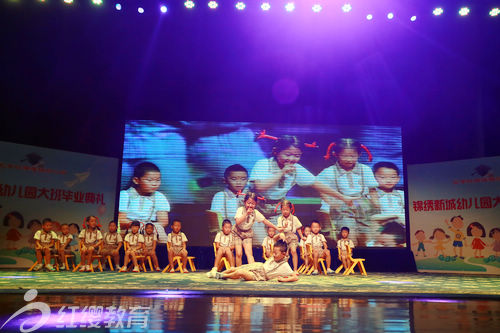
{"type": "Point", "coordinates": [267, 243]}
{"type": "Point", "coordinates": [112, 243]}
{"type": "Point", "coordinates": [134, 243]}
{"type": "Point", "coordinates": [224, 247]}
{"type": "Point", "coordinates": [176, 241]}
{"type": "Point", "coordinates": [44, 243]}
{"type": "Point", "coordinates": [342, 245]}
{"type": "Point", "coordinates": [150, 241]}
{"type": "Point", "coordinates": [64, 240]}
{"type": "Point", "coordinates": [275, 267]}
{"type": "Point", "coordinates": [319, 248]}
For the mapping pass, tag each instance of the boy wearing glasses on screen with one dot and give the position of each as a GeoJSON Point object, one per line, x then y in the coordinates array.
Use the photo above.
{"type": "Point", "coordinates": [227, 202]}
{"type": "Point", "coordinates": [143, 202]}
{"type": "Point", "coordinates": [391, 205]}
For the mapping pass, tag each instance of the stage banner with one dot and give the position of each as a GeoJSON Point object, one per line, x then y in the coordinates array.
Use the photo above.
{"type": "Point", "coordinates": [39, 183]}
{"type": "Point", "coordinates": [455, 216]}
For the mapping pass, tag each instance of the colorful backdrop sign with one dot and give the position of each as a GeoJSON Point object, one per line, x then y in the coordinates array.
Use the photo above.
{"type": "Point", "coordinates": [455, 216]}
{"type": "Point", "coordinates": [38, 183]}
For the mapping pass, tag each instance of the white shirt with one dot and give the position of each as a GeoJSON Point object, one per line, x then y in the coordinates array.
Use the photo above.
{"type": "Point", "coordinates": [90, 237]}
{"type": "Point", "coordinates": [267, 168]}
{"type": "Point", "coordinates": [391, 203]}
{"type": "Point", "coordinates": [275, 269]}
{"type": "Point", "coordinates": [45, 237]}
{"type": "Point", "coordinates": [316, 241]}
{"type": "Point", "coordinates": [246, 225]}
{"type": "Point", "coordinates": [289, 224]}
{"type": "Point", "coordinates": [354, 182]}
{"type": "Point", "coordinates": [343, 243]}
{"type": "Point", "coordinates": [64, 238]}
{"type": "Point", "coordinates": [226, 203]}
{"type": "Point", "coordinates": [149, 239]}
{"type": "Point", "coordinates": [112, 238]}
{"type": "Point", "coordinates": [267, 242]}
{"type": "Point", "coordinates": [223, 239]}
{"type": "Point", "coordinates": [177, 240]}
{"type": "Point", "coordinates": [134, 239]}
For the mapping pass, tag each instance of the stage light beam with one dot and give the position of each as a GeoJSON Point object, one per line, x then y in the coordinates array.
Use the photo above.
{"type": "Point", "coordinates": [97, 2]}
{"type": "Point", "coordinates": [369, 17]}
{"type": "Point", "coordinates": [290, 7]}
{"type": "Point", "coordinates": [68, 2]}
{"type": "Point", "coordinates": [213, 4]}
{"type": "Point", "coordinates": [140, 10]}
{"type": "Point", "coordinates": [189, 4]}
{"type": "Point", "coordinates": [413, 18]}
{"type": "Point", "coordinates": [265, 6]}
{"type": "Point", "coordinates": [118, 6]}
{"type": "Point", "coordinates": [346, 8]}
{"type": "Point", "coordinates": [390, 16]}
{"type": "Point", "coordinates": [317, 8]}
{"type": "Point", "coordinates": [240, 5]}
{"type": "Point", "coordinates": [464, 11]}
{"type": "Point", "coordinates": [438, 11]}
{"type": "Point", "coordinates": [163, 9]}
{"type": "Point", "coordinates": [494, 12]}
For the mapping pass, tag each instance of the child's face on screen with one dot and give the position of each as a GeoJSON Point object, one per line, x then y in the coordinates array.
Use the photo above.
{"type": "Point", "coordinates": [112, 227]}
{"type": "Point", "coordinates": [149, 183]}
{"type": "Point", "coordinates": [387, 178]}
{"type": "Point", "coordinates": [344, 233]}
{"type": "Point", "coordinates": [250, 203]}
{"type": "Point", "coordinates": [134, 229]}
{"type": "Point", "coordinates": [14, 222]}
{"type": "Point", "coordinates": [176, 227]}
{"type": "Point", "coordinates": [73, 229]}
{"type": "Point", "coordinates": [476, 232]}
{"type": "Point", "coordinates": [496, 235]}
{"type": "Point", "coordinates": [307, 231]}
{"type": "Point", "coordinates": [236, 181]}
{"type": "Point", "coordinates": [226, 229]}
{"type": "Point", "coordinates": [315, 228]}
{"type": "Point", "coordinates": [149, 229]}
{"type": "Point", "coordinates": [291, 155]}
{"type": "Point", "coordinates": [285, 210]}
{"type": "Point", "coordinates": [65, 229]}
{"type": "Point", "coordinates": [271, 232]}
{"type": "Point", "coordinates": [348, 158]}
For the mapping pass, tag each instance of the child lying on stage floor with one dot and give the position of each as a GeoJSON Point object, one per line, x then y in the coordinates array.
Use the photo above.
{"type": "Point", "coordinates": [275, 267]}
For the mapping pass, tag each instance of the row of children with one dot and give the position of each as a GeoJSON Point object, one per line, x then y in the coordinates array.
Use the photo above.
{"type": "Point", "coordinates": [239, 237]}
{"type": "Point", "coordinates": [92, 242]}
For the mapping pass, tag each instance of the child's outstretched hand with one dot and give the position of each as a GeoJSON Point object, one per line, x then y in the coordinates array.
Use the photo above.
{"type": "Point", "coordinates": [349, 201]}
{"type": "Point", "coordinates": [288, 168]}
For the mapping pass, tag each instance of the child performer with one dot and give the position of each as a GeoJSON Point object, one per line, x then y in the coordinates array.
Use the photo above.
{"type": "Point", "coordinates": [44, 243]}
{"type": "Point", "coordinates": [90, 241]}
{"type": "Point", "coordinates": [65, 239]}
{"type": "Point", "coordinates": [150, 240]}
{"type": "Point", "coordinates": [342, 246]}
{"type": "Point", "coordinates": [112, 243]}
{"type": "Point", "coordinates": [290, 225]}
{"type": "Point", "coordinates": [224, 246]}
{"type": "Point", "coordinates": [142, 201]}
{"type": "Point", "coordinates": [134, 243]}
{"type": "Point", "coordinates": [242, 231]}
{"type": "Point", "coordinates": [352, 179]}
{"type": "Point", "coordinates": [391, 205]}
{"type": "Point", "coordinates": [275, 267]}
{"type": "Point", "coordinates": [272, 178]}
{"type": "Point", "coordinates": [176, 241]}
{"type": "Point", "coordinates": [267, 243]}
{"type": "Point", "coordinates": [226, 202]}
{"type": "Point", "coordinates": [319, 248]}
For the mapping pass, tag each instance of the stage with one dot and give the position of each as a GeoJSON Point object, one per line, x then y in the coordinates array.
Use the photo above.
{"type": "Point", "coordinates": [375, 284]}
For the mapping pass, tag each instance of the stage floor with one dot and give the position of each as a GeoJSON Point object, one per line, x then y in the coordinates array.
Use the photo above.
{"type": "Point", "coordinates": [375, 284]}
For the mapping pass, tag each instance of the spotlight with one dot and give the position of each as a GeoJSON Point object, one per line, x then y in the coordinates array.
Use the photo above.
{"type": "Point", "coordinates": [369, 17]}
{"type": "Point", "coordinates": [189, 4]}
{"type": "Point", "coordinates": [118, 6]}
{"type": "Point", "coordinates": [240, 5]}
{"type": "Point", "coordinates": [69, 2]}
{"type": "Point", "coordinates": [390, 16]}
{"type": "Point", "coordinates": [140, 10]}
{"type": "Point", "coordinates": [317, 8]}
{"type": "Point", "coordinates": [97, 2]}
{"type": "Point", "coordinates": [494, 12]}
{"type": "Point", "coordinates": [163, 9]}
{"type": "Point", "coordinates": [437, 11]}
{"type": "Point", "coordinates": [413, 18]}
{"type": "Point", "coordinates": [290, 7]}
{"type": "Point", "coordinates": [464, 11]}
{"type": "Point", "coordinates": [346, 8]}
{"type": "Point", "coordinates": [213, 4]}
{"type": "Point", "coordinates": [265, 6]}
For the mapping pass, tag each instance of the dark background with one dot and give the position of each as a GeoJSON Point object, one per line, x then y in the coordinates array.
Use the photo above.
{"type": "Point", "coordinates": [71, 75]}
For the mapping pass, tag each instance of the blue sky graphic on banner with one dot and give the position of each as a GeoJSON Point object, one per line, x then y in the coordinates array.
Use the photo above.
{"type": "Point", "coordinates": [455, 215]}
{"type": "Point", "coordinates": [38, 183]}
{"type": "Point", "coordinates": [193, 157]}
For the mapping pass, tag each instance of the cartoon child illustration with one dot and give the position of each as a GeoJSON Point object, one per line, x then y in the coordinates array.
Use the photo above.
{"type": "Point", "coordinates": [420, 236]}
{"type": "Point", "coordinates": [441, 238]}
{"type": "Point", "coordinates": [495, 234]}
{"type": "Point", "coordinates": [455, 224]}
{"type": "Point", "coordinates": [15, 221]}
{"type": "Point", "coordinates": [476, 230]}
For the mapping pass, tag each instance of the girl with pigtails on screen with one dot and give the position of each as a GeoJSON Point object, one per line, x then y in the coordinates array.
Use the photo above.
{"type": "Point", "coordinates": [273, 177]}
{"type": "Point", "coordinates": [353, 179]}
